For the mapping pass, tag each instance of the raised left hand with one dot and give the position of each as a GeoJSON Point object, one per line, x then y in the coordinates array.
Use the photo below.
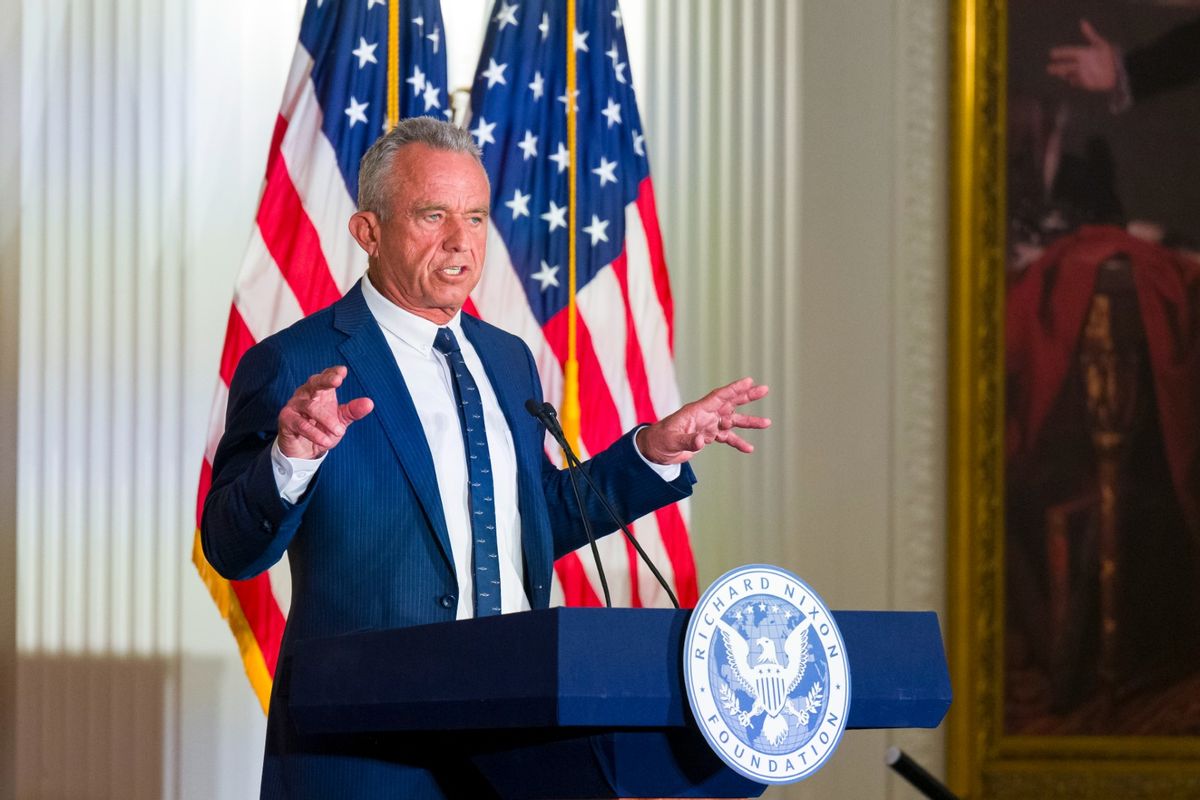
{"type": "Point", "coordinates": [676, 438]}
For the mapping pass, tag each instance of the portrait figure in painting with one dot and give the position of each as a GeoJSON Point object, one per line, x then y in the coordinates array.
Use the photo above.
{"type": "Point", "coordinates": [1102, 361]}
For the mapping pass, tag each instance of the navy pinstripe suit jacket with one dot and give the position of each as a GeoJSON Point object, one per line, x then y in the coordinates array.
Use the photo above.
{"type": "Point", "coordinates": [367, 543]}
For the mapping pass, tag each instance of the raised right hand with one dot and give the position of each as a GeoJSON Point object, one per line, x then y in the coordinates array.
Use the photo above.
{"type": "Point", "coordinates": [312, 423]}
{"type": "Point", "coordinates": [1092, 67]}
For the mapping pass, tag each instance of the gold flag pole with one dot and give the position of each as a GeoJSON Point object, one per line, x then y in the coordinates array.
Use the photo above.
{"type": "Point", "coordinates": [571, 413]}
{"type": "Point", "coordinates": [393, 65]}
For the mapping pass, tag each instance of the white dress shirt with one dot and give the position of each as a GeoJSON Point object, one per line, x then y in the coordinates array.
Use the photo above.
{"type": "Point", "coordinates": [427, 376]}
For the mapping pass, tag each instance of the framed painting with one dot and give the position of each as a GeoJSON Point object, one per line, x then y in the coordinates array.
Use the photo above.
{"type": "Point", "coordinates": [1074, 462]}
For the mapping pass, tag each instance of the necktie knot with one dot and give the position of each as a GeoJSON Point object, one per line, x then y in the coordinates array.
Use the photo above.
{"type": "Point", "coordinates": [445, 341]}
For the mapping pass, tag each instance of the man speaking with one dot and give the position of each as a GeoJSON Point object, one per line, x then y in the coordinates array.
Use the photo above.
{"type": "Point", "coordinates": [384, 443]}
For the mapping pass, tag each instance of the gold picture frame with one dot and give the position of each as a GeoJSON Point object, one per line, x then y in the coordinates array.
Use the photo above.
{"type": "Point", "coordinates": [982, 761]}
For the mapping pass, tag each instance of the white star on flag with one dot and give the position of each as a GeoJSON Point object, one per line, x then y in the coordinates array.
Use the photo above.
{"type": "Point", "coordinates": [597, 230]}
{"type": "Point", "coordinates": [417, 80]}
{"type": "Point", "coordinates": [612, 112]}
{"type": "Point", "coordinates": [638, 147]}
{"type": "Point", "coordinates": [356, 112]}
{"type": "Point", "coordinates": [562, 157]}
{"type": "Point", "coordinates": [616, 14]}
{"type": "Point", "coordinates": [507, 14]}
{"type": "Point", "coordinates": [519, 204]}
{"type": "Point", "coordinates": [562, 98]}
{"type": "Point", "coordinates": [483, 132]}
{"type": "Point", "coordinates": [528, 145]}
{"type": "Point", "coordinates": [435, 37]}
{"type": "Point", "coordinates": [556, 216]}
{"type": "Point", "coordinates": [620, 277]}
{"type": "Point", "coordinates": [431, 97]}
{"type": "Point", "coordinates": [538, 85]}
{"type": "Point", "coordinates": [419, 22]}
{"type": "Point", "coordinates": [365, 52]}
{"type": "Point", "coordinates": [607, 172]}
{"type": "Point", "coordinates": [547, 276]}
{"type": "Point", "coordinates": [494, 73]}
{"type": "Point", "coordinates": [372, 3]}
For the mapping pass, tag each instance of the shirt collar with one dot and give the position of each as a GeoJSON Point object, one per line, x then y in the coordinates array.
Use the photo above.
{"type": "Point", "coordinates": [416, 332]}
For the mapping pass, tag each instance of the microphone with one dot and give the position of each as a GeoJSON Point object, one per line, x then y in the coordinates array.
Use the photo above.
{"type": "Point", "coordinates": [546, 414]}
{"type": "Point", "coordinates": [551, 424]}
{"type": "Point", "coordinates": [917, 775]}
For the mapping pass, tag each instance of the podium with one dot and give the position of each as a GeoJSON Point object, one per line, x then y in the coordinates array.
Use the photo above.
{"type": "Point", "coordinates": [584, 702]}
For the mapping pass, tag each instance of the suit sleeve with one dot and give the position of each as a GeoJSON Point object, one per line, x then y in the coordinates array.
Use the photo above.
{"type": "Point", "coordinates": [246, 525]}
{"type": "Point", "coordinates": [1167, 63]}
{"type": "Point", "coordinates": [627, 482]}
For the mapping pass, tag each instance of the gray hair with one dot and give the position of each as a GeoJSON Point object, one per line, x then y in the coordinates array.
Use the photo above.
{"type": "Point", "coordinates": [375, 182]}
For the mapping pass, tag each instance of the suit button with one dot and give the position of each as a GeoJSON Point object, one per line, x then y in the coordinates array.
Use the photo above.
{"type": "Point", "coordinates": [448, 601]}
{"type": "Point", "coordinates": [266, 525]}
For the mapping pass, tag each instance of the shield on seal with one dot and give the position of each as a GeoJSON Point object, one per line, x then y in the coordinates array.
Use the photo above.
{"type": "Point", "coordinates": [768, 683]}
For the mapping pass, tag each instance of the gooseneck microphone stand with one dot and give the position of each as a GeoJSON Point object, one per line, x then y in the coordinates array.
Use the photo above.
{"type": "Point", "coordinates": [546, 415]}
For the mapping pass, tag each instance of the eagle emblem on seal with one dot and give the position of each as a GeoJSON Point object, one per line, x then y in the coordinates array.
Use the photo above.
{"type": "Point", "coordinates": [771, 680]}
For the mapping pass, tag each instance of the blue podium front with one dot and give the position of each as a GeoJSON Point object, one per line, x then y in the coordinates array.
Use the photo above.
{"type": "Point", "coordinates": [584, 703]}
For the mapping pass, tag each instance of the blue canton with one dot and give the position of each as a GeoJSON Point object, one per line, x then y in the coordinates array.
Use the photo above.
{"type": "Point", "coordinates": [348, 42]}
{"type": "Point", "coordinates": [519, 120]}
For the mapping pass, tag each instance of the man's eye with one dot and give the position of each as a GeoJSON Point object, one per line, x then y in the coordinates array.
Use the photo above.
{"type": "Point", "coordinates": [476, 220]}
{"type": "Point", "coordinates": [436, 216]}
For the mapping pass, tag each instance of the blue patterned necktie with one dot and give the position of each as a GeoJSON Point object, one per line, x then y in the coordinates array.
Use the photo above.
{"type": "Point", "coordinates": [481, 506]}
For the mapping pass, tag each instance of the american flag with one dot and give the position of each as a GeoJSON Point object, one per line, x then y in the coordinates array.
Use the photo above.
{"type": "Point", "coordinates": [358, 62]}
{"type": "Point", "coordinates": [624, 340]}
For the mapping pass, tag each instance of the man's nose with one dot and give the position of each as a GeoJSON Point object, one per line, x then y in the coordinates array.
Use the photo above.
{"type": "Point", "coordinates": [456, 235]}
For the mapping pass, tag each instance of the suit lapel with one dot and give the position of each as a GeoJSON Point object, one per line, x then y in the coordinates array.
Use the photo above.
{"type": "Point", "coordinates": [371, 361]}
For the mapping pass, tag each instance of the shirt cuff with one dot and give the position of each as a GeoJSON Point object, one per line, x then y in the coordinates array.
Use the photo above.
{"type": "Point", "coordinates": [292, 475]}
{"type": "Point", "coordinates": [668, 472]}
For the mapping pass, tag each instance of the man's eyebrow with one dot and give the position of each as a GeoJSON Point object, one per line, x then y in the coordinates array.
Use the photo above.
{"type": "Point", "coordinates": [427, 207]}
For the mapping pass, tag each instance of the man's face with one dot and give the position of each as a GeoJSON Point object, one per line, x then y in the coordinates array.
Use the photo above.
{"type": "Point", "coordinates": [427, 256]}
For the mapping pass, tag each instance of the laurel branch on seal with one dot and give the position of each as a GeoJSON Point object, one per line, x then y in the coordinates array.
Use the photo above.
{"type": "Point", "coordinates": [730, 702]}
{"type": "Point", "coordinates": [812, 703]}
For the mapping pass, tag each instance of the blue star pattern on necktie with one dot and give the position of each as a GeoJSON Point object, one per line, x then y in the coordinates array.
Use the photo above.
{"type": "Point", "coordinates": [481, 505]}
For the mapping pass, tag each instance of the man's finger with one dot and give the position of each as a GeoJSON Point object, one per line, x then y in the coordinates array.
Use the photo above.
{"type": "Point", "coordinates": [356, 409]}
{"type": "Point", "coordinates": [1090, 33]}
{"type": "Point", "coordinates": [748, 421]}
{"type": "Point", "coordinates": [329, 378]}
{"type": "Point", "coordinates": [756, 393]}
{"type": "Point", "coordinates": [316, 434]}
{"type": "Point", "coordinates": [729, 390]}
{"type": "Point", "coordinates": [739, 392]}
{"type": "Point", "coordinates": [736, 442]}
{"type": "Point", "coordinates": [1066, 54]}
{"type": "Point", "coordinates": [324, 419]}
{"type": "Point", "coordinates": [1062, 69]}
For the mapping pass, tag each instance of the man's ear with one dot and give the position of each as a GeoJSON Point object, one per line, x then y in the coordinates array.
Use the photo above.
{"type": "Point", "coordinates": [364, 227]}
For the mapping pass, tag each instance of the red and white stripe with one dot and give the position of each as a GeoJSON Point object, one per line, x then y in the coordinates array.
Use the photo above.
{"type": "Point", "coordinates": [627, 376]}
{"type": "Point", "coordinates": [300, 258]}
